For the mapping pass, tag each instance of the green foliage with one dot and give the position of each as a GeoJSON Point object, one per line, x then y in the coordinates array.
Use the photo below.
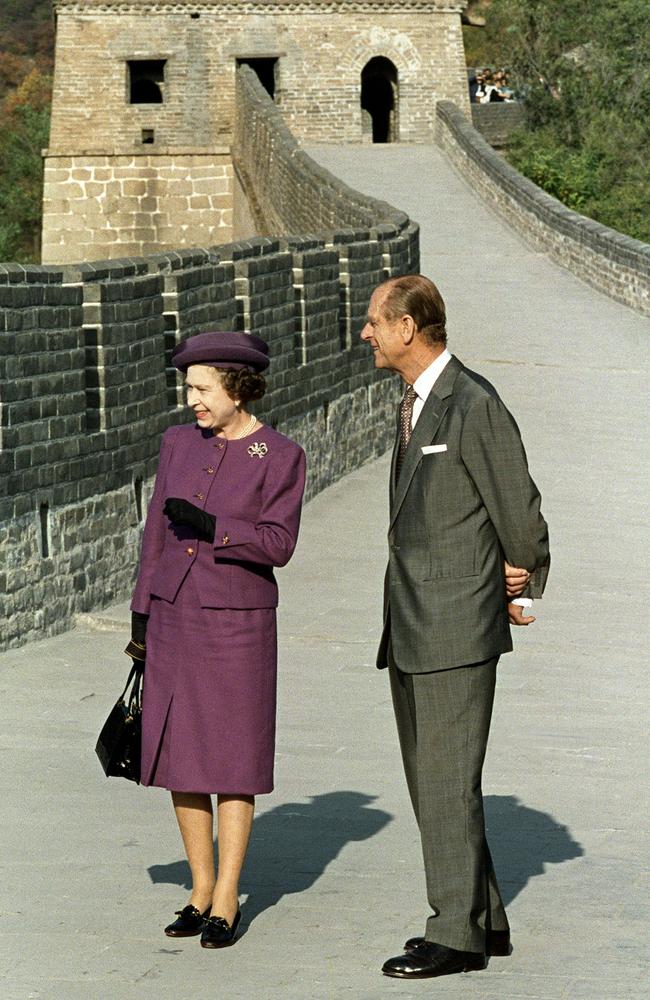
{"type": "Point", "coordinates": [584, 72]}
{"type": "Point", "coordinates": [26, 56]}
{"type": "Point", "coordinates": [24, 130]}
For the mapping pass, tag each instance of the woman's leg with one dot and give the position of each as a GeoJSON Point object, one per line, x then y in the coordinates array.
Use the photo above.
{"type": "Point", "coordinates": [195, 821]}
{"type": "Point", "coordinates": [234, 823]}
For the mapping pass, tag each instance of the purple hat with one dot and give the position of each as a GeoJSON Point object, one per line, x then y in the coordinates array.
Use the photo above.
{"type": "Point", "coordinates": [222, 350]}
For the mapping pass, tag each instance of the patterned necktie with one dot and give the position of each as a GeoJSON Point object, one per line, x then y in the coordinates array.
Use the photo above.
{"type": "Point", "coordinates": [405, 429]}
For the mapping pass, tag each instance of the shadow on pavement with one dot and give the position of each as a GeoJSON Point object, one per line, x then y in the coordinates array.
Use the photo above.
{"type": "Point", "coordinates": [523, 841]}
{"type": "Point", "coordinates": [292, 845]}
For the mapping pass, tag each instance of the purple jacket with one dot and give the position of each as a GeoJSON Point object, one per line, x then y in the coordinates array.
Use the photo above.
{"type": "Point", "coordinates": [254, 487]}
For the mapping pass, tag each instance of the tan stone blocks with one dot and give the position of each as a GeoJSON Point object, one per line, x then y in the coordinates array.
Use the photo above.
{"type": "Point", "coordinates": [116, 209]}
{"type": "Point", "coordinates": [180, 187]}
{"type": "Point", "coordinates": [134, 187]}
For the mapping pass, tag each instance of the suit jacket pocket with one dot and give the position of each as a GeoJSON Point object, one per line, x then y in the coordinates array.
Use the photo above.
{"type": "Point", "coordinates": [452, 558]}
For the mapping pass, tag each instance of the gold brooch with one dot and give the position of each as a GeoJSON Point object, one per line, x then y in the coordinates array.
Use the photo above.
{"type": "Point", "coordinates": [257, 450]}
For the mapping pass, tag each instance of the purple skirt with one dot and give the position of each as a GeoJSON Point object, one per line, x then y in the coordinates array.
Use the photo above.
{"type": "Point", "coordinates": [209, 699]}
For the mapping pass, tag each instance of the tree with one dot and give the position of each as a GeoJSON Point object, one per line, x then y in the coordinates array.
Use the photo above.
{"type": "Point", "coordinates": [583, 71]}
{"type": "Point", "coordinates": [24, 130]}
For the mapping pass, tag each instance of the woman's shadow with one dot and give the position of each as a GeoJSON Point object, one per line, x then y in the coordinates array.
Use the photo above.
{"type": "Point", "coordinates": [293, 844]}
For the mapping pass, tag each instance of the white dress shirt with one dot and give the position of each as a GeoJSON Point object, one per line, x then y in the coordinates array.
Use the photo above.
{"type": "Point", "coordinates": [423, 385]}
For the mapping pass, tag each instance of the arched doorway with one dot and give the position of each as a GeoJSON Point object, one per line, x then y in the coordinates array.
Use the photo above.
{"type": "Point", "coordinates": [379, 99]}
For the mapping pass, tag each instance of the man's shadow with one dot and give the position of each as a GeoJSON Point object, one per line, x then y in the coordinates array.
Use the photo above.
{"type": "Point", "coordinates": [293, 844]}
{"type": "Point", "coordinates": [523, 842]}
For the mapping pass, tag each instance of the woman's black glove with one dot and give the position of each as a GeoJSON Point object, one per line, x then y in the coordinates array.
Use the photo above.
{"type": "Point", "coordinates": [137, 646]}
{"type": "Point", "coordinates": [184, 512]}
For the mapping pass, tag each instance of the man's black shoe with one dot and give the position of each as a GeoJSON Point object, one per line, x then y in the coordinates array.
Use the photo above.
{"type": "Point", "coordinates": [432, 960]}
{"type": "Point", "coordinates": [496, 943]}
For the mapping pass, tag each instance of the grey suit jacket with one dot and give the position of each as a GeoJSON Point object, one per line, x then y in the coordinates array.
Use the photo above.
{"type": "Point", "coordinates": [455, 514]}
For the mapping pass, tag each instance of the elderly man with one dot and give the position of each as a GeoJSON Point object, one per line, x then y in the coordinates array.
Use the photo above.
{"type": "Point", "coordinates": [463, 513]}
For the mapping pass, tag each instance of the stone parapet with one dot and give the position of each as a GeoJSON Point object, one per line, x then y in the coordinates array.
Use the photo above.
{"type": "Point", "coordinates": [610, 261]}
{"type": "Point", "coordinates": [497, 121]}
{"type": "Point", "coordinates": [87, 387]}
{"type": "Point", "coordinates": [97, 206]}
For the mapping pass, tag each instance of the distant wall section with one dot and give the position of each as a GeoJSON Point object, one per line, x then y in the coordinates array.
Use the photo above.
{"type": "Point", "coordinates": [610, 261]}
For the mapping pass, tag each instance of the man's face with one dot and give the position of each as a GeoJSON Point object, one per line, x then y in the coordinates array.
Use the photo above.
{"type": "Point", "coordinates": [382, 334]}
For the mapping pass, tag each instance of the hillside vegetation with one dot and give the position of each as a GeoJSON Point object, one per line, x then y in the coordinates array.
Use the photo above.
{"type": "Point", "coordinates": [583, 70]}
{"type": "Point", "coordinates": [26, 55]}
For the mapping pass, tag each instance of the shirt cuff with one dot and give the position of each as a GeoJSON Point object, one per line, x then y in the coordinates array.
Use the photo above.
{"type": "Point", "coordinates": [523, 602]}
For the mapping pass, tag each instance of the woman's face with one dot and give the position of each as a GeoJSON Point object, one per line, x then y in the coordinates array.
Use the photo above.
{"type": "Point", "coordinates": [213, 407]}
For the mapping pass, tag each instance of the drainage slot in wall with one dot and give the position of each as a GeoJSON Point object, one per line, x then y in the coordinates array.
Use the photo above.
{"type": "Point", "coordinates": [137, 490]}
{"type": "Point", "coordinates": [44, 517]}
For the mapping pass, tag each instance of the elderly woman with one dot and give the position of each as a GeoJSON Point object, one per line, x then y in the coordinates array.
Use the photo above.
{"type": "Point", "coordinates": [225, 510]}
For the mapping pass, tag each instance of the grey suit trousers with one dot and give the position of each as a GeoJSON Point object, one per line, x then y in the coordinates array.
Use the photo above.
{"type": "Point", "coordinates": [443, 722]}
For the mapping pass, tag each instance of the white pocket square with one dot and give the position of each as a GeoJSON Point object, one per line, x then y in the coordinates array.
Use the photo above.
{"type": "Point", "coordinates": [433, 449]}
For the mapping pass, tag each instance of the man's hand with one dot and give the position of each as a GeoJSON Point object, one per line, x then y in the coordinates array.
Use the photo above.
{"type": "Point", "coordinates": [516, 580]}
{"type": "Point", "coordinates": [516, 615]}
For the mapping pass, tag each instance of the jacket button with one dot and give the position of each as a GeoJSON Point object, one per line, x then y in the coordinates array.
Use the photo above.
{"type": "Point", "coordinates": [209, 469]}
{"type": "Point", "coordinates": [220, 445]}
{"type": "Point", "coordinates": [199, 496]}
{"type": "Point", "coordinates": [190, 551]}
{"type": "Point", "coordinates": [225, 540]}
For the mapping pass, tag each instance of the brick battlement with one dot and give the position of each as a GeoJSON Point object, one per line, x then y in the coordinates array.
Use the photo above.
{"type": "Point", "coordinates": [86, 385]}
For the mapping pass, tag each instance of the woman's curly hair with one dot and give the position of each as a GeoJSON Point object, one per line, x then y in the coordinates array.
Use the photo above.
{"type": "Point", "coordinates": [244, 385]}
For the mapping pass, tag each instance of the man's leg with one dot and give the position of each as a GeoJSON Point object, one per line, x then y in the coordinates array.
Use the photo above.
{"type": "Point", "coordinates": [401, 686]}
{"type": "Point", "coordinates": [443, 721]}
{"type": "Point", "coordinates": [498, 920]}
{"type": "Point", "coordinates": [453, 711]}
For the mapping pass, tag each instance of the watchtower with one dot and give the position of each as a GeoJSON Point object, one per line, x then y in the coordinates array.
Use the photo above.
{"type": "Point", "coordinates": [144, 104]}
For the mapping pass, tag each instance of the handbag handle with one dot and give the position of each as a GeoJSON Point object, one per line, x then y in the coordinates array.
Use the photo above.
{"type": "Point", "coordinates": [135, 697]}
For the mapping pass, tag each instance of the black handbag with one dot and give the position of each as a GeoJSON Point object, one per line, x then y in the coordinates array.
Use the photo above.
{"type": "Point", "coordinates": [118, 746]}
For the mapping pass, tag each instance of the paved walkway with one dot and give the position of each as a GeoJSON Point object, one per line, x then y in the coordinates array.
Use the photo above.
{"type": "Point", "coordinates": [91, 869]}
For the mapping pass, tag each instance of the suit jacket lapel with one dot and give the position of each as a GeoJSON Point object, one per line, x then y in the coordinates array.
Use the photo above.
{"type": "Point", "coordinates": [393, 461]}
{"type": "Point", "coordinates": [425, 429]}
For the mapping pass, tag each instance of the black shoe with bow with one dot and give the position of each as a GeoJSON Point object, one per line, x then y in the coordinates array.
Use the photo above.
{"type": "Point", "coordinates": [218, 933]}
{"type": "Point", "coordinates": [433, 960]}
{"type": "Point", "coordinates": [190, 922]}
{"type": "Point", "coordinates": [496, 943]}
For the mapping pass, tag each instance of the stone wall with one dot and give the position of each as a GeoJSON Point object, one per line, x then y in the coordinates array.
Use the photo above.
{"type": "Point", "coordinates": [102, 206]}
{"type": "Point", "coordinates": [321, 47]}
{"type": "Point", "coordinates": [127, 175]}
{"type": "Point", "coordinates": [610, 261]}
{"type": "Point", "coordinates": [86, 385]}
{"type": "Point", "coordinates": [498, 120]}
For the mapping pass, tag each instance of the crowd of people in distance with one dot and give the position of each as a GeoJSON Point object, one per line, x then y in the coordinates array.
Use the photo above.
{"type": "Point", "coordinates": [487, 85]}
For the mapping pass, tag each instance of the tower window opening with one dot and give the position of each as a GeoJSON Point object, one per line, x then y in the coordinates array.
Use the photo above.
{"type": "Point", "coordinates": [379, 98]}
{"type": "Point", "coordinates": [266, 70]}
{"type": "Point", "coordinates": [148, 137]}
{"type": "Point", "coordinates": [146, 81]}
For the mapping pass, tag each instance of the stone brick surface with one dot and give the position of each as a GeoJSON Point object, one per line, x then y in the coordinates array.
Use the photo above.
{"type": "Point", "coordinates": [136, 201]}
{"type": "Point", "coordinates": [124, 179]}
{"type": "Point", "coordinates": [87, 387]}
